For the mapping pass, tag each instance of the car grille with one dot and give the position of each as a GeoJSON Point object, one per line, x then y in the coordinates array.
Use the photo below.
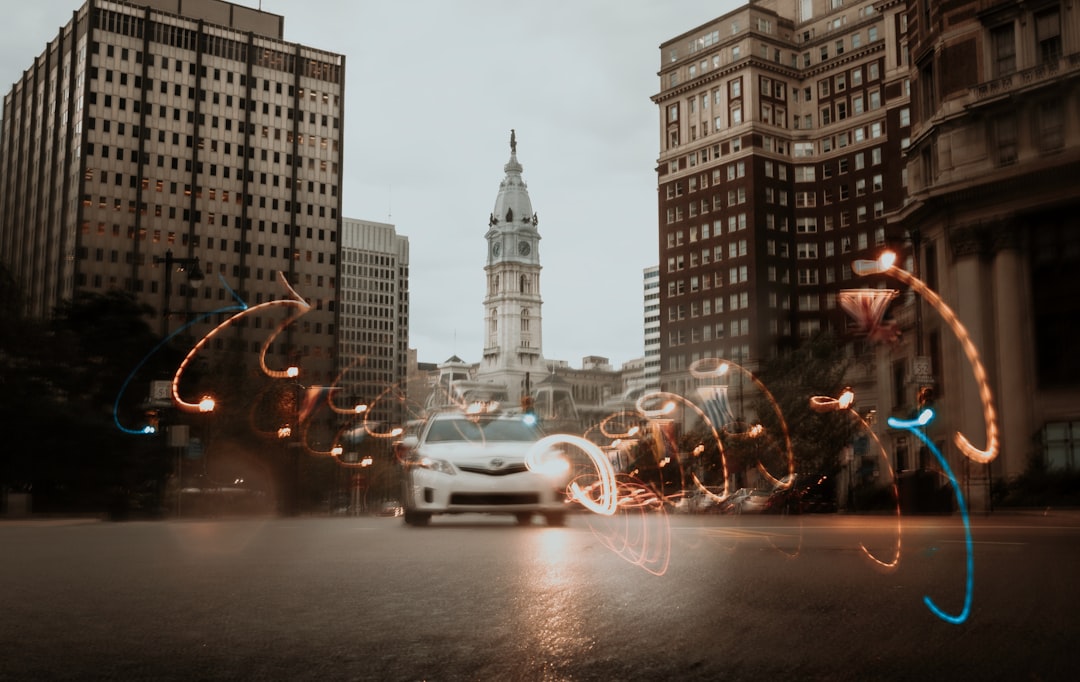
{"type": "Point", "coordinates": [493, 499]}
{"type": "Point", "coordinates": [503, 471]}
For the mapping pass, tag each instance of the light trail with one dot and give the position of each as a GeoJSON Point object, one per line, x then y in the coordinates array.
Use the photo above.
{"type": "Point", "coordinates": [148, 430]}
{"type": "Point", "coordinates": [603, 503]}
{"type": "Point", "coordinates": [886, 264]}
{"type": "Point", "coordinates": [915, 427]}
{"type": "Point", "coordinates": [296, 301]}
{"type": "Point", "coordinates": [825, 404]}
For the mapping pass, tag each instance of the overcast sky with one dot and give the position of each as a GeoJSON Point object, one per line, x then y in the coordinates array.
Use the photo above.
{"type": "Point", "coordinates": [433, 88]}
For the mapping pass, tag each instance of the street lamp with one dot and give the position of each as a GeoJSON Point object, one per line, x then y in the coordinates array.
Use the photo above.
{"type": "Point", "coordinates": [291, 435]}
{"type": "Point", "coordinates": [194, 274]}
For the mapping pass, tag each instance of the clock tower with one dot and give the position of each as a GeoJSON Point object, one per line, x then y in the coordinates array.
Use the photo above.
{"type": "Point", "coordinates": [512, 320]}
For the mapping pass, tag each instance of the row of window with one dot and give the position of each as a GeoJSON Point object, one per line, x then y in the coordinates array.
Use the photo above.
{"type": "Point", "coordinates": [218, 46]}
{"type": "Point", "coordinates": [323, 143]}
{"type": "Point", "coordinates": [741, 301]}
{"type": "Point", "coordinates": [825, 51]}
{"type": "Point", "coordinates": [189, 216]}
{"type": "Point", "coordinates": [678, 362]}
{"type": "Point", "coordinates": [738, 275]}
{"type": "Point", "coordinates": [139, 105]}
{"type": "Point", "coordinates": [159, 185]}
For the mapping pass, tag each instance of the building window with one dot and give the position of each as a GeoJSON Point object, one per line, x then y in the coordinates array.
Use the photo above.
{"type": "Point", "coordinates": [808, 276]}
{"type": "Point", "coordinates": [1005, 140]}
{"type": "Point", "coordinates": [927, 91]}
{"type": "Point", "coordinates": [1061, 445]}
{"type": "Point", "coordinates": [1003, 44]}
{"type": "Point", "coordinates": [1051, 125]}
{"type": "Point", "coordinates": [1048, 35]}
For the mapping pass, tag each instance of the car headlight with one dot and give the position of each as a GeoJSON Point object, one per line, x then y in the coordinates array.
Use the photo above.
{"type": "Point", "coordinates": [550, 464]}
{"type": "Point", "coordinates": [432, 464]}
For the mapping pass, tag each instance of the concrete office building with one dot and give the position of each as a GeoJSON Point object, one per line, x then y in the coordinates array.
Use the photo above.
{"type": "Point", "coordinates": [374, 318]}
{"type": "Point", "coordinates": [651, 290]}
{"type": "Point", "coordinates": [147, 135]}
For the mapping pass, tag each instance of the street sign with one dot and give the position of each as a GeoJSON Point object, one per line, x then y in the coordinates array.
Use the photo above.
{"type": "Point", "coordinates": [161, 393]}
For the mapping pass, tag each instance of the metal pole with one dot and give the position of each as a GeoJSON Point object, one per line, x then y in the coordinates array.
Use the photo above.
{"type": "Point", "coordinates": [166, 294]}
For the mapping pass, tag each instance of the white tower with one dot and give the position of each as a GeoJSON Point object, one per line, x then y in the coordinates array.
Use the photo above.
{"type": "Point", "coordinates": [512, 321]}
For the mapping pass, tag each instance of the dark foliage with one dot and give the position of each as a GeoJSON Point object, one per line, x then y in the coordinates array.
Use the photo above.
{"type": "Point", "coordinates": [60, 382]}
{"type": "Point", "coordinates": [815, 368]}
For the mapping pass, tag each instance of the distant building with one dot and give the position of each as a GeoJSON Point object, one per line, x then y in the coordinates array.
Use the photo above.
{"type": "Point", "coordinates": [651, 370]}
{"type": "Point", "coordinates": [374, 314]}
{"type": "Point", "coordinates": [163, 130]}
{"type": "Point", "coordinates": [513, 321]}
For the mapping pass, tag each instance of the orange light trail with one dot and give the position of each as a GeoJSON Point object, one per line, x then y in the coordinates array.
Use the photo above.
{"type": "Point", "coordinates": [887, 265]}
{"type": "Point", "coordinates": [824, 404]}
{"type": "Point", "coordinates": [296, 301]}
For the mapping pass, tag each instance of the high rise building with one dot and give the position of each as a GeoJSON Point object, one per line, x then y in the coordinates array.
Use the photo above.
{"type": "Point", "coordinates": [374, 318]}
{"type": "Point", "coordinates": [992, 214]}
{"type": "Point", "coordinates": [782, 130]}
{"type": "Point", "coordinates": [797, 136]}
{"type": "Point", "coordinates": [148, 135]}
{"type": "Point", "coordinates": [651, 290]}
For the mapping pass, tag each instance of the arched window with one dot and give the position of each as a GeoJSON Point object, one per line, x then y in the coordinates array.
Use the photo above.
{"type": "Point", "coordinates": [525, 288]}
{"type": "Point", "coordinates": [525, 319]}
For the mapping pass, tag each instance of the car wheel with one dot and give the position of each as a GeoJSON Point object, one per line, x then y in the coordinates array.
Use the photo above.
{"type": "Point", "coordinates": [415, 518]}
{"type": "Point", "coordinates": [523, 518]}
{"type": "Point", "coordinates": [556, 519]}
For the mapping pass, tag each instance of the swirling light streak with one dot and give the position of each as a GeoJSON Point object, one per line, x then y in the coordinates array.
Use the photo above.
{"type": "Point", "coordinates": [296, 301]}
{"type": "Point", "coordinates": [148, 430]}
{"type": "Point", "coordinates": [721, 367]}
{"type": "Point", "coordinates": [351, 409]}
{"type": "Point", "coordinates": [669, 402]}
{"type": "Point", "coordinates": [369, 409]}
{"type": "Point", "coordinates": [644, 539]}
{"type": "Point", "coordinates": [825, 404]}
{"type": "Point", "coordinates": [915, 426]}
{"type": "Point", "coordinates": [630, 432]}
{"type": "Point", "coordinates": [302, 307]}
{"type": "Point", "coordinates": [886, 265]}
{"type": "Point", "coordinates": [604, 503]}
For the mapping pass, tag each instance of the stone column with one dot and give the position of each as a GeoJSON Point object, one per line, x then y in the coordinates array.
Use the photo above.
{"type": "Point", "coordinates": [971, 307]}
{"type": "Point", "coordinates": [1014, 389]}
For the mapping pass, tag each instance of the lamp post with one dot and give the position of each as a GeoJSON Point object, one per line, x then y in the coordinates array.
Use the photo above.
{"type": "Point", "coordinates": [194, 274]}
{"type": "Point", "coordinates": [292, 443]}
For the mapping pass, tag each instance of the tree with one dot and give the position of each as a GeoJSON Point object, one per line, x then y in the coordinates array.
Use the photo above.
{"type": "Point", "coordinates": [62, 378]}
{"type": "Point", "coordinates": [817, 367]}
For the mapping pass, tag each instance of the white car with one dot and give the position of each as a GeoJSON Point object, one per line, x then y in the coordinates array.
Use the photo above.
{"type": "Point", "coordinates": [464, 463]}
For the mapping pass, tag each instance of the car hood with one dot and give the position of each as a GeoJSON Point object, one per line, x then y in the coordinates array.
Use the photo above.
{"type": "Point", "coordinates": [477, 452]}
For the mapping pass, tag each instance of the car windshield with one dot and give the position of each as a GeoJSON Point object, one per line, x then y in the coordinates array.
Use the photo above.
{"type": "Point", "coordinates": [450, 430]}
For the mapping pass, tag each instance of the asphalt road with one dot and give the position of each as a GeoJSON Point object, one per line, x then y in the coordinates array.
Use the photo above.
{"type": "Point", "coordinates": [478, 598]}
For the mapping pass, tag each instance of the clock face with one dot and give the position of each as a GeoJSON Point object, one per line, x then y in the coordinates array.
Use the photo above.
{"type": "Point", "coordinates": [524, 248]}
{"type": "Point", "coordinates": [496, 249]}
